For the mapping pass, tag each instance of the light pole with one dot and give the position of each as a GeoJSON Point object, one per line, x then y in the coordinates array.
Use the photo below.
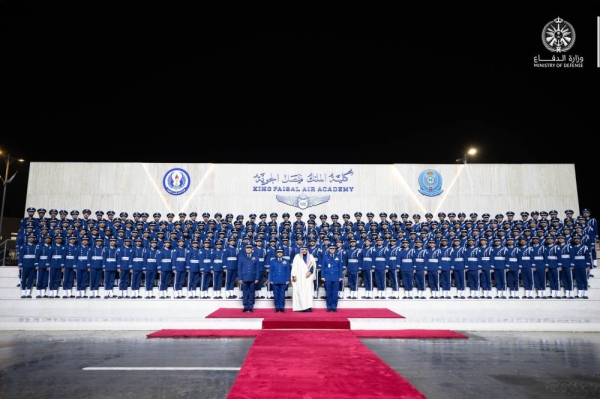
{"type": "Point", "coordinates": [465, 157]}
{"type": "Point", "coordinates": [5, 180]}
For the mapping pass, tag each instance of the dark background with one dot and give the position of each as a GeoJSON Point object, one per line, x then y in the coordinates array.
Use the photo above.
{"type": "Point", "coordinates": [364, 85]}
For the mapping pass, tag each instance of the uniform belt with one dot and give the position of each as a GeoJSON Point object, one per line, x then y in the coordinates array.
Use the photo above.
{"type": "Point", "coordinates": [97, 258]}
{"type": "Point", "coordinates": [419, 260]}
{"type": "Point", "coordinates": [180, 259]}
{"type": "Point", "coordinates": [28, 256]}
{"type": "Point", "coordinates": [218, 261]}
{"type": "Point", "coordinates": [111, 259]}
{"type": "Point", "coordinates": [459, 259]}
{"type": "Point", "coordinates": [352, 260]}
{"type": "Point", "coordinates": [82, 257]}
{"type": "Point", "coordinates": [56, 257]}
{"type": "Point", "coordinates": [552, 257]}
{"type": "Point", "coordinates": [538, 257]}
{"type": "Point", "coordinates": [392, 258]}
{"type": "Point", "coordinates": [69, 257]}
{"type": "Point", "coordinates": [194, 261]}
{"type": "Point", "coordinates": [231, 258]}
{"type": "Point", "coordinates": [407, 261]}
{"type": "Point", "coordinates": [369, 259]}
{"type": "Point", "coordinates": [499, 258]}
{"type": "Point", "coordinates": [513, 259]}
{"type": "Point", "coordinates": [138, 259]}
{"type": "Point", "coordinates": [485, 258]}
{"type": "Point", "coordinates": [206, 260]}
{"type": "Point", "coordinates": [472, 259]}
{"type": "Point", "coordinates": [379, 259]}
{"type": "Point", "coordinates": [44, 257]}
{"type": "Point", "coordinates": [565, 256]}
{"type": "Point", "coordinates": [446, 258]}
{"type": "Point", "coordinates": [579, 257]}
{"type": "Point", "coordinates": [125, 258]}
{"type": "Point", "coordinates": [165, 260]}
{"type": "Point", "coordinates": [526, 258]}
{"type": "Point", "coordinates": [433, 260]}
{"type": "Point", "coordinates": [151, 260]}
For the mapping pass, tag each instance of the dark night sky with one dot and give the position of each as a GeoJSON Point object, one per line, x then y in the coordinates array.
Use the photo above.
{"type": "Point", "coordinates": [366, 86]}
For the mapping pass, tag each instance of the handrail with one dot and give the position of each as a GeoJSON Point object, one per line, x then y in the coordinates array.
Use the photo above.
{"type": "Point", "coordinates": [8, 253]}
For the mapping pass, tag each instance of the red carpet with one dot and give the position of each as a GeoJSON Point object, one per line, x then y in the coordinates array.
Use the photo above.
{"type": "Point", "coordinates": [359, 313]}
{"type": "Point", "coordinates": [203, 333]}
{"type": "Point", "coordinates": [314, 322]}
{"type": "Point", "coordinates": [316, 364]}
{"type": "Point", "coordinates": [408, 334]}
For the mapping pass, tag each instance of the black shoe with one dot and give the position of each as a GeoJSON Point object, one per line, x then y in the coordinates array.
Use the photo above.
{"type": "Point", "coordinates": [354, 297]}
{"type": "Point", "coordinates": [28, 296]}
{"type": "Point", "coordinates": [323, 297]}
{"type": "Point", "coordinates": [251, 310]}
{"type": "Point", "coordinates": [328, 310]}
{"type": "Point", "coordinates": [287, 297]}
{"type": "Point", "coordinates": [276, 310]}
{"type": "Point", "coordinates": [38, 296]}
{"type": "Point", "coordinates": [348, 297]}
{"type": "Point", "coordinates": [334, 310]}
{"type": "Point", "coordinates": [282, 310]}
{"type": "Point", "coordinates": [377, 297]}
{"type": "Point", "coordinates": [23, 296]}
{"type": "Point", "coordinates": [71, 296]}
{"type": "Point", "coordinates": [65, 296]}
{"type": "Point", "coordinates": [363, 297]}
{"type": "Point", "coordinates": [462, 297]}
{"type": "Point", "coordinates": [585, 297]}
{"type": "Point", "coordinates": [469, 297]}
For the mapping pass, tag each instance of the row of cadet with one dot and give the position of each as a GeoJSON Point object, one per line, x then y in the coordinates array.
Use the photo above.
{"type": "Point", "coordinates": [451, 225]}
{"type": "Point", "coordinates": [51, 263]}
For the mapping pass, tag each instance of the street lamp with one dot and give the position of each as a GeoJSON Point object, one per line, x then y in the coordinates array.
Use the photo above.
{"type": "Point", "coordinates": [5, 180]}
{"type": "Point", "coordinates": [465, 157]}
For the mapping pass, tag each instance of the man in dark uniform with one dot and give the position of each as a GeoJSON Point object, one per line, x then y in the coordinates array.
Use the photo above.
{"type": "Point", "coordinates": [248, 269]}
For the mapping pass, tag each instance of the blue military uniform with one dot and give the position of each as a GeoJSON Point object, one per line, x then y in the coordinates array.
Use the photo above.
{"type": "Point", "coordinates": [279, 277]}
{"type": "Point", "coordinates": [249, 272]}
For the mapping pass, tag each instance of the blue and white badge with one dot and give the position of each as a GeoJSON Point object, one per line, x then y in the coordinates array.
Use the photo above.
{"type": "Point", "coordinates": [176, 181]}
{"type": "Point", "coordinates": [430, 182]}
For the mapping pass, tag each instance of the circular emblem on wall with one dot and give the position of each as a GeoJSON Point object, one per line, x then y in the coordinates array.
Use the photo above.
{"type": "Point", "coordinates": [176, 181]}
{"type": "Point", "coordinates": [558, 35]}
{"type": "Point", "coordinates": [430, 182]}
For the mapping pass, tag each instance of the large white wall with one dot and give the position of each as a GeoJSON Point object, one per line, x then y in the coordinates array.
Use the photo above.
{"type": "Point", "coordinates": [252, 188]}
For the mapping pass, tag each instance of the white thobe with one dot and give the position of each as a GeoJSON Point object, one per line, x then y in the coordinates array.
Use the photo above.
{"type": "Point", "coordinates": [303, 288]}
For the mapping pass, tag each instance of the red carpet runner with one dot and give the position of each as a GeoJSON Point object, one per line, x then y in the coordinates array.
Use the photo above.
{"type": "Point", "coordinates": [316, 364]}
{"type": "Point", "coordinates": [357, 313]}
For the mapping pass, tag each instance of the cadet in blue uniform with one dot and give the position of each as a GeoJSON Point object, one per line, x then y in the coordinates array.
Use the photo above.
{"type": "Point", "coordinates": [82, 268]}
{"type": "Point", "coordinates": [165, 268]}
{"type": "Point", "coordinates": [138, 265]}
{"type": "Point", "coordinates": [111, 265]}
{"type": "Point", "coordinates": [42, 257]}
{"type": "Point", "coordinates": [71, 252]}
{"type": "Point", "coordinates": [152, 259]}
{"type": "Point", "coordinates": [248, 269]}
{"type": "Point", "coordinates": [96, 262]}
{"type": "Point", "coordinates": [232, 251]}
{"type": "Point", "coordinates": [279, 277]}
{"type": "Point", "coordinates": [219, 260]}
{"type": "Point", "coordinates": [332, 274]}
{"type": "Point", "coordinates": [26, 262]}
{"type": "Point", "coordinates": [57, 263]}
{"type": "Point", "coordinates": [354, 265]}
{"type": "Point", "coordinates": [124, 268]}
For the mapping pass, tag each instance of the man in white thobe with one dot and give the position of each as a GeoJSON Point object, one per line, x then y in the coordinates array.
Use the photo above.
{"type": "Point", "coordinates": [304, 267]}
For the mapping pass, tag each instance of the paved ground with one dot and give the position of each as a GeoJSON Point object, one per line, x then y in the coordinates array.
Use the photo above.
{"type": "Point", "coordinates": [72, 364]}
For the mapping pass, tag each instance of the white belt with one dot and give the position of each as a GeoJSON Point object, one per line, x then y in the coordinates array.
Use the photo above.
{"type": "Point", "coordinates": [446, 258]}
{"type": "Point", "coordinates": [180, 259]}
{"type": "Point", "coordinates": [513, 259]}
{"type": "Point", "coordinates": [579, 257]}
{"type": "Point", "coordinates": [28, 256]}
{"type": "Point", "coordinates": [379, 259]}
{"type": "Point", "coordinates": [97, 258]}
{"type": "Point", "coordinates": [82, 257]}
{"type": "Point", "coordinates": [538, 257]}
{"type": "Point", "coordinates": [56, 257]}
{"type": "Point", "coordinates": [392, 258]}
{"type": "Point", "coordinates": [111, 259]}
{"type": "Point", "coordinates": [472, 259]}
{"type": "Point", "coordinates": [552, 257]}
{"type": "Point", "coordinates": [194, 261]}
{"type": "Point", "coordinates": [165, 260]}
{"type": "Point", "coordinates": [499, 258]}
{"type": "Point", "coordinates": [125, 258]}
{"type": "Point", "coordinates": [565, 256]}
{"type": "Point", "coordinates": [526, 258]}
{"type": "Point", "coordinates": [151, 261]}
{"type": "Point", "coordinates": [485, 258]}
{"type": "Point", "coordinates": [231, 258]}
{"type": "Point", "coordinates": [420, 260]}
{"type": "Point", "coordinates": [352, 260]}
{"type": "Point", "coordinates": [261, 259]}
{"type": "Point", "coordinates": [369, 259]}
{"type": "Point", "coordinates": [218, 261]}
{"type": "Point", "coordinates": [69, 257]}
{"type": "Point", "coordinates": [407, 260]}
{"type": "Point", "coordinates": [44, 257]}
{"type": "Point", "coordinates": [459, 259]}
{"type": "Point", "coordinates": [433, 260]}
{"type": "Point", "coordinates": [138, 259]}
{"type": "Point", "coordinates": [206, 260]}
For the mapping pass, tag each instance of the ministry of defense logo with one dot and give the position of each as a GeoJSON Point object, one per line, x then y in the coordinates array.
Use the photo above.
{"type": "Point", "coordinates": [430, 182]}
{"type": "Point", "coordinates": [176, 181]}
{"type": "Point", "coordinates": [302, 201]}
{"type": "Point", "coordinates": [558, 35]}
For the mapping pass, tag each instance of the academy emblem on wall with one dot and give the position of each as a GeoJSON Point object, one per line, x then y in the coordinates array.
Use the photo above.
{"type": "Point", "coordinates": [430, 182]}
